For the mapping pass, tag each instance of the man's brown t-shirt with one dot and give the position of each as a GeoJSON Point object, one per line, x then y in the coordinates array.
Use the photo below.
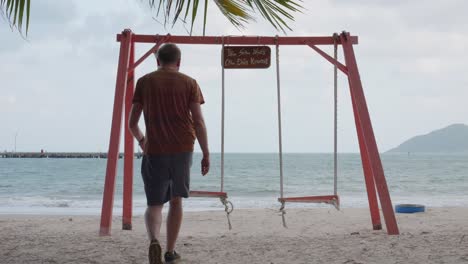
{"type": "Point", "coordinates": [166, 95]}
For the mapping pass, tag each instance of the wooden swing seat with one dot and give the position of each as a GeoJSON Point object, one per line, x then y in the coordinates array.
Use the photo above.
{"type": "Point", "coordinates": [328, 199]}
{"type": "Point", "coordinates": [208, 194]}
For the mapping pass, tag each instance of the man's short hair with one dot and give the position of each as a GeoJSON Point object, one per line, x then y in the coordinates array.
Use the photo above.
{"type": "Point", "coordinates": [169, 53]}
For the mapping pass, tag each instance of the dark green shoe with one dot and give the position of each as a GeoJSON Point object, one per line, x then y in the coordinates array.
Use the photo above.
{"type": "Point", "coordinates": [171, 257]}
{"type": "Point", "coordinates": [155, 252]}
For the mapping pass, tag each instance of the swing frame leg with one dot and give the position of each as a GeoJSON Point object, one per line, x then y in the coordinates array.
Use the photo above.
{"type": "Point", "coordinates": [373, 170]}
{"type": "Point", "coordinates": [114, 142]}
{"type": "Point", "coordinates": [368, 177]}
{"type": "Point", "coordinates": [128, 149]}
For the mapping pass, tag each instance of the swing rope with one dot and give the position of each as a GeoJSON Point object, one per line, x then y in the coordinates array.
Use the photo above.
{"type": "Point", "coordinates": [228, 208]}
{"type": "Point", "coordinates": [278, 89]}
{"type": "Point", "coordinates": [224, 201]}
{"type": "Point", "coordinates": [222, 116]}
{"type": "Point", "coordinates": [335, 129]}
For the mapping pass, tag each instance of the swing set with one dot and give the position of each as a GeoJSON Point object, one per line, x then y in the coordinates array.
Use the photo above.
{"type": "Point", "coordinates": [372, 166]}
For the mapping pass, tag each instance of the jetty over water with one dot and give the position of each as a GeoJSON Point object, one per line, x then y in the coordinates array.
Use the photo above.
{"type": "Point", "coordinates": [61, 155]}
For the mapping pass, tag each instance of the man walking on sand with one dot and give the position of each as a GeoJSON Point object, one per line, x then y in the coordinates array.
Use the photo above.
{"type": "Point", "coordinates": [170, 102]}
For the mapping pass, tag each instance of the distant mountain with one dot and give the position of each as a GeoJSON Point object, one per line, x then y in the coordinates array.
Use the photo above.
{"type": "Point", "coordinates": [452, 139]}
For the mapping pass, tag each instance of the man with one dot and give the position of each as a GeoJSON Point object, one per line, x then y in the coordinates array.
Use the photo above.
{"type": "Point", "coordinates": [170, 102]}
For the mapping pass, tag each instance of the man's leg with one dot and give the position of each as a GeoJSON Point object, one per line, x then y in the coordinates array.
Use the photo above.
{"type": "Point", "coordinates": [174, 221]}
{"type": "Point", "coordinates": [153, 220]}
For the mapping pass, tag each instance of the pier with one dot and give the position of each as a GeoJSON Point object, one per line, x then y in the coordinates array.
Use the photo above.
{"type": "Point", "coordinates": [61, 155]}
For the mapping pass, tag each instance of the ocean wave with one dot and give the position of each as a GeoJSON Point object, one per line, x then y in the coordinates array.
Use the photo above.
{"type": "Point", "coordinates": [51, 205]}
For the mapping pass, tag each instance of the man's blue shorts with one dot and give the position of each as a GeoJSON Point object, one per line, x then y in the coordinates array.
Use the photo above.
{"type": "Point", "coordinates": [166, 176]}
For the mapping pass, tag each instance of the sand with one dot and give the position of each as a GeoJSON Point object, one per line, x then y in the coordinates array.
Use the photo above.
{"type": "Point", "coordinates": [314, 236]}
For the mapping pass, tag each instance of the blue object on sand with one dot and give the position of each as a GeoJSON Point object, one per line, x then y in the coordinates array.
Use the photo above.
{"type": "Point", "coordinates": [409, 208]}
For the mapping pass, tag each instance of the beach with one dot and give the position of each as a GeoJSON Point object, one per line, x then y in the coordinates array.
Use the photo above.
{"type": "Point", "coordinates": [318, 235]}
{"type": "Point", "coordinates": [57, 219]}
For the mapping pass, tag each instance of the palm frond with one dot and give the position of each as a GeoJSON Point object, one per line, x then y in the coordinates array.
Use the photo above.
{"type": "Point", "coordinates": [276, 10]}
{"type": "Point", "coordinates": [15, 11]}
{"type": "Point", "coordinates": [194, 14]}
{"type": "Point", "coordinates": [237, 12]}
{"type": "Point", "coordinates": [205, 14]}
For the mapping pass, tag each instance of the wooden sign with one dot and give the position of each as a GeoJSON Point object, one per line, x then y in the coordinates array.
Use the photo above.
{"type": "Point", "coordinates": [247, 57]}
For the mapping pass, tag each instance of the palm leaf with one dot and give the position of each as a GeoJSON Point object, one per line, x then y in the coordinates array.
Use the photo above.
{"type": "Point", "coordinates": [14, 11]}
{"type": "Point", "coordinates": [205, 13]}
{"type": "Point", "coordinates": [28, 12]}
{"type": "Point", "coordinates": [275, 10]}
{"type": "Point", "coordinates": [238, 12]}
{"type": "Point", "coordinates": [194, 13]}
{"type": "Point", "coordinates": [179, 7]}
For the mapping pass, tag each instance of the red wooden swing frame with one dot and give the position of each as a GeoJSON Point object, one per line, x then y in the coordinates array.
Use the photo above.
{"type": "Point", "coordinates": [125, 84]}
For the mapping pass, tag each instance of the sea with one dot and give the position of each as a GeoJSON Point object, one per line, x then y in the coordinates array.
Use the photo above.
{"type": "Point", "coordinates": [75, 186]}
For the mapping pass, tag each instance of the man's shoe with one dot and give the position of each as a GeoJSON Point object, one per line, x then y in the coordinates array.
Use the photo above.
{"type": "Point", "coordinates": [154, 252]}
{"type": "Point", "coordinates": [171, 257]}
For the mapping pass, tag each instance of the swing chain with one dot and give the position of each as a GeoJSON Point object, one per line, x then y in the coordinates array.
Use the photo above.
{"type": "Point", "coordinates": [283, 212]}
{"type": "Point", "coordinates": [228, 208]}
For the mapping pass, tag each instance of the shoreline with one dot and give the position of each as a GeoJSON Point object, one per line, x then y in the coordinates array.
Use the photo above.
{"type": "Point", "coordinates": [317, 235]}
{"type": "Point", "coordinates": [140, 210]}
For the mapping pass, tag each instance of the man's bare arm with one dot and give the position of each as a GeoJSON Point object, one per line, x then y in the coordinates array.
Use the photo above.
{"type": "Point", "coordinates": [135, 114]}
{"type": "Point", "coordinates": [200, 130]}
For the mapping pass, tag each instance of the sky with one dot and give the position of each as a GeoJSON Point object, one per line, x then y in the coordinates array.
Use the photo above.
{"type": "Point", "coordinates": [57, 86]}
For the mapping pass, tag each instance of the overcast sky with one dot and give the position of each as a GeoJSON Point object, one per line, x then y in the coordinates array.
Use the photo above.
{"type": "Point", "coordinates": [57, 87]}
